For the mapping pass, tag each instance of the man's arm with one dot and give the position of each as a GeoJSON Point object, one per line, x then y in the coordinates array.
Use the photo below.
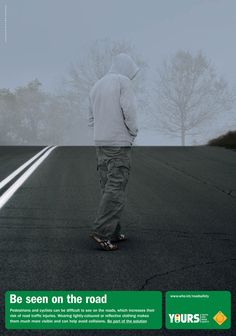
{"type": "Point", "coordinates": [128, 106]}
{"type": "Point", "coordinates": [90, 117]}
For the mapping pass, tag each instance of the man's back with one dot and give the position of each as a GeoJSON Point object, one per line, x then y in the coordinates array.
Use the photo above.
{"type": "Point", "coordinates": [112, 107]}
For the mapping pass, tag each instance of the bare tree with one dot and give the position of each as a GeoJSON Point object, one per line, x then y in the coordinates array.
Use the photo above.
{"type": "Point", "coordinates": [94, 64]}
{"type": "Point", "coordinates": [189, 93]}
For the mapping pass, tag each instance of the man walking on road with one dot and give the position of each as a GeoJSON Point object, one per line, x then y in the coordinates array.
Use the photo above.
{"type": "Point", "coordinates": [112, 114]}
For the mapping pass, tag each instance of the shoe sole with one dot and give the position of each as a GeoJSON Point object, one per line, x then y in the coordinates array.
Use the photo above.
{"type": "Point", "coordinates": [98, 241]}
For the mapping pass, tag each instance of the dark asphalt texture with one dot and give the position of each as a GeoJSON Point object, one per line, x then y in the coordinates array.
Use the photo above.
{"type": "Point", "coordinates": [180, 219]}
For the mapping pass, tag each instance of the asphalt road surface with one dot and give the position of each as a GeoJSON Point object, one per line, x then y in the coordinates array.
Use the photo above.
{"type": "Point", "coordinates": [180, 219]}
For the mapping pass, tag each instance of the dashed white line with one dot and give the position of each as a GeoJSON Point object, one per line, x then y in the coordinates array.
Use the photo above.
{"type": "Point", "coordinates": [10, 192]}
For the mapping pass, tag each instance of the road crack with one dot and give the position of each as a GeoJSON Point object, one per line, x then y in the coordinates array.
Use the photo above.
{"type": "Point", "coordinates": [229, 192]}
{"type": "Point", "coordinates": [183, 268]}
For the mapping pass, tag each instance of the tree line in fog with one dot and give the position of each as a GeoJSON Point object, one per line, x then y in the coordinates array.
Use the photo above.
{"type": "Point", "coordinates": [178, 98]}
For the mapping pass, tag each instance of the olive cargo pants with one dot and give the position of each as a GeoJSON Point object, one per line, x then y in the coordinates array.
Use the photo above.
{"type": "Point", "coordinates": [113, 165]}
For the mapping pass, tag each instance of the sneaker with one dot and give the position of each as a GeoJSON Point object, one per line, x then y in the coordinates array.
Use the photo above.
{"type": "Point", "coordinates": [120, 238]}
{"type": "Point", "coordinates": [105, 244]}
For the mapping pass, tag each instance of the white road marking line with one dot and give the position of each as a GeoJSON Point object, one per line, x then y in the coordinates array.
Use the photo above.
{"type": "Point", "coordinates": [18, 170]}
{"type": "Point", "coordinates": [9, 193]}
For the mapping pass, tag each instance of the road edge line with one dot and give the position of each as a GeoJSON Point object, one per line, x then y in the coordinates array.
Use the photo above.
{"type": "Point", "coordinates": [7, 179]}
{"type": "Point", "coordinates": [10, 192]}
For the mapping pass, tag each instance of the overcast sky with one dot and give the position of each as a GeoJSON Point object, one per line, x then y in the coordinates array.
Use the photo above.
{"type": "Point", "coordinates": [44, 36]}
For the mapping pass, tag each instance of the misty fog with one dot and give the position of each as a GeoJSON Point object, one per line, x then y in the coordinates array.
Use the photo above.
{"type": "Point", "coordinates": [57, 49]}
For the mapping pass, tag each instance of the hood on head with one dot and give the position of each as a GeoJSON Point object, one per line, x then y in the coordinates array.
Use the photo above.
{"type": "Point", "coordinates": [123, 64]}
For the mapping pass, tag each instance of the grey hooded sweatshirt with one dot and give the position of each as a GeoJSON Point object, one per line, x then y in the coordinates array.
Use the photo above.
{"type": "Point", "coordinates": [112, 110]}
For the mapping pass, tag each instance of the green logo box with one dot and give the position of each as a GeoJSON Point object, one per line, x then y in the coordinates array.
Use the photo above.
{"type": "Point", "coordinates": [198, 310]}
{"type": "Point", "coordinates": [83, 310]}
